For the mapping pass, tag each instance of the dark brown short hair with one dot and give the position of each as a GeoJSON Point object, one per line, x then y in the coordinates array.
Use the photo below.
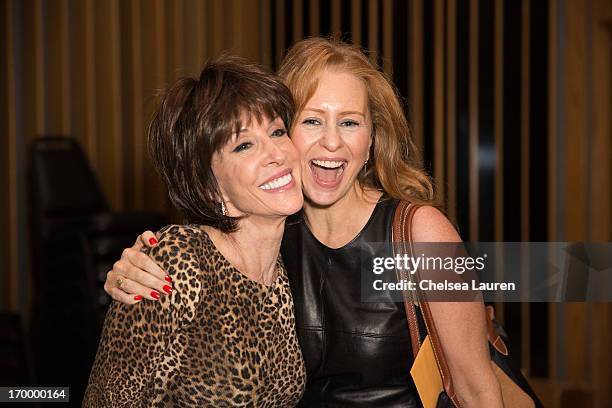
{"type": "Point", "coordinates": [197, 117]}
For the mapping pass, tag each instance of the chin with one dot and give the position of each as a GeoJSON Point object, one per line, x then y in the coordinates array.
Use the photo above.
{"type": "Point", "coordinates": [323, 198]}
{"type": "Point", "coordinates": [291, 206]}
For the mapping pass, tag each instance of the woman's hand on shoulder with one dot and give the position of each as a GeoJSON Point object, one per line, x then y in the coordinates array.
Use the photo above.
{"type": "Point", "coordinates": [136, 276]}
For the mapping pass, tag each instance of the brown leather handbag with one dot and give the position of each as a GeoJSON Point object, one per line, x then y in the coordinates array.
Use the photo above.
{"type": "Point", "coordinates": [430, 370]}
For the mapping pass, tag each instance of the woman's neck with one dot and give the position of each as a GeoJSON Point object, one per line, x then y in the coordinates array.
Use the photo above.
{"type": "Point", "coordinates": [337, 224]}
{"type": "Point", "coordinates": [252, 249]}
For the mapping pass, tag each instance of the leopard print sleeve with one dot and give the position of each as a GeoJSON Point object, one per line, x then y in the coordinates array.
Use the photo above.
{"type": "Point", "coordinates": [139, 342]}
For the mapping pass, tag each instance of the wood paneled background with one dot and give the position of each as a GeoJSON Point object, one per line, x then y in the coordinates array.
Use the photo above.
{"type": "Point", "coordinates": [510, 100]}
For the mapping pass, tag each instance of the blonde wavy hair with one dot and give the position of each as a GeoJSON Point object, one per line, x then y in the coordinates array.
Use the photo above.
{"type": "Point", "coordinates": [395, 163]}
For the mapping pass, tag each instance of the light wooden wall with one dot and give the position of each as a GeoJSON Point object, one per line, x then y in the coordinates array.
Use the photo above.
{"type": "Point", "coordinates": [510, 102]}
{"type": "Point", "coordinates": [580, 137]}
{"type": "Point", "coordinates": [91, 69]}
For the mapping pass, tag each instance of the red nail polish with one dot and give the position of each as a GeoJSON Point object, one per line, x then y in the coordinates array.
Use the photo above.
{"type": "Point", "coordinates": [155, 295]}
{"type": "Point", "coordinates": [152, 241]}
{"type": "Point", "coordinates": [137, 297]}
{"type": "Point", "coordinates": [167, 278]}
{"type": "Point", "coordinates": [167, 289]}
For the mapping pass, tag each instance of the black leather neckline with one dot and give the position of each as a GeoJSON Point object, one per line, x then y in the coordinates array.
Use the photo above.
{"type": "Point", "coordinates": [354, 240]}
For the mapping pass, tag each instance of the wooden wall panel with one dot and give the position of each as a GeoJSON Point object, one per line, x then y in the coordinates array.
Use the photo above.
{"type": "Point", "coordinates": [94, 68]}
{"type": "Point", "coordinates": [56, 69]}
{"type": "Point", "coordinates": [335, 18]}
{"type": "Point", "coordinates": [372, 16]}
{"type": "Point", "coordinates": [297, 21]}
{"type": "Point", "coordinates": [131, 97]}
{"type": "Point", "coordinates": [5, 30]}
{"type": "Point", "coordinates": [81, 91]}
{"type": "Point", "coordinates": [38, 21]}
{"type": "Point", "coordinates": [8, 286]}
{"type": "Point", "coordinates": [91, 97]}
{"type": "Point", "coordinates": [175, 45]}
{"type": "Point", "coordinates": [600, 168]}
{"type": "Point", "coordinates": [246, 30]}
{"type": "Point", "coordinates": [524, 172]}
{"type": "Point", "coordinates": [356, 21]}
{"type": "Point", "coordinates": [315, 16]}
{"type": "Point", "coordinates": [281, 28]}
{"type": "Point", "coordinates": [153, 32]}
{"type": "Point", "coordinates": [387, 37]}
{"type": "Point", "coordinates": [194, 39]}
{"type": "Point", "coordinates": [575, 121]}
{"type": "Point", "coordinates": [498, 120]}
{"type": "Point", "coordinates": [451, 109]}
{"type": "Point", "coordinates": [439, 96]}
{"type": "Point", "coordinates": [219, 33]}
{"type": "Point", "coordinates": [108, 118]}
{"type": "Point", "coordinates": [416, 71]}
{"type": "Point", "coordinates": [473, 121]}
{"type": "Point", "coordinates": [555, 314]}
{"type": "Point", "coordinates": [265, 33]}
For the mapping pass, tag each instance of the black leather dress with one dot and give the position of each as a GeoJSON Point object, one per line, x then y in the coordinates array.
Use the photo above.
{"type": "Point", "coordinates": [357, 354]}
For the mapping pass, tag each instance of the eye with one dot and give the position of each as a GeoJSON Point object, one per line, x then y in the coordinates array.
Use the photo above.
{"type": "Point", "coordinates": [242, 146]}
{"type": "Point", "coordinates": [279, 132]}
{"type": "Point", "coordinates": [349, 123]}
{"type": "Point", "coordinates": [311, 122]}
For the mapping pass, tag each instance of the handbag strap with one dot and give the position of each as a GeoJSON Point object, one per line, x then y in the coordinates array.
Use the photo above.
{"type": "Point", "coordinates": [403, 216]}
{"type": "Point", "coordinates": [402, 235]}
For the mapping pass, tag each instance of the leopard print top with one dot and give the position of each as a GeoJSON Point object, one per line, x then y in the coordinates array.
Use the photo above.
{"type": "Point", "coordinates": [219, 340]}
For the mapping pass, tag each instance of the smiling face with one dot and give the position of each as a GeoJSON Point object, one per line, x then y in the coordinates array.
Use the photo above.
{"type": "Point", "coordinates": [258, 171]}
{"type": "Point", "coordinates": [333, 136]}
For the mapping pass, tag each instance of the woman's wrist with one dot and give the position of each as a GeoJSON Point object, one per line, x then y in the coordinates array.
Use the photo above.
{"type": "Point", "coordinates": [486, 395]}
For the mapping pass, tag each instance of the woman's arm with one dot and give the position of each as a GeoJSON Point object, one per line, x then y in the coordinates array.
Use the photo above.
{"type": "Point", "coordinates": [140, 276]}
{"type": "Point", "coordinates": [137, 343]}
{"type": "Point", "coordinates": [460, 326]}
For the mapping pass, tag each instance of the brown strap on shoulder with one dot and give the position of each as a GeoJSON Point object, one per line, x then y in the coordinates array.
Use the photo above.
{"type": "Point", "coordinates": [403, 215]}
{"type": "Point", "coordinates": [402, 235]}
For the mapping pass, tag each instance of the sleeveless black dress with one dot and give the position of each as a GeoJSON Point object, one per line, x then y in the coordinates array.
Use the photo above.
{"type": "Point", "coordinates": [357, 354]}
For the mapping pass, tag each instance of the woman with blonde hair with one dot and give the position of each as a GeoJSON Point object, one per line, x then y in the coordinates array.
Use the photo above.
{"type": "Point", "coordinates": [358, 162]}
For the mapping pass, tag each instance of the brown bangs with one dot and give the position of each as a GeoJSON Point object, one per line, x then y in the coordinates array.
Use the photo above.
{"type": "Point", "coordinates": [227, 96]}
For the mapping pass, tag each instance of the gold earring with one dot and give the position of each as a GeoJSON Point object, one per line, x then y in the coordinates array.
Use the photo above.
{"type": "Point", "coordinates": [365, 166]}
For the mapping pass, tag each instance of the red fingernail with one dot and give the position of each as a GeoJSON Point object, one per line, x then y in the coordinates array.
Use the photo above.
{"type": "Point", "coordinates": [167, 289]}
{"type": "Point", "coordinates": [152, 241]}
{"type": "Point", "coordinates": [137, 297]}
{"type": "Point", "coordinates": [155, 295]}
{"type": "Point", "coordinates": [167, 278]}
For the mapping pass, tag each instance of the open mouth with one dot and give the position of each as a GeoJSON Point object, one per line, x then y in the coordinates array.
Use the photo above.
{"type": "Point", "coordinates": [327, 173]}
{"type": "Point", "coordinates": [277, 183]}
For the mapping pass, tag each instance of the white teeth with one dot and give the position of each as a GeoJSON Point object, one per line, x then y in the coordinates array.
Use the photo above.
{"type": "Point", "coordinates": [276, 183]}
{"type": "Point", "coordinates": [328, 164]}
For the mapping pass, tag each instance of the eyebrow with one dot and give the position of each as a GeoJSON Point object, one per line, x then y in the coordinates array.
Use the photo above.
{"type": "Point", "coordinates": [246, 129]}
{"type": "Point", "coordinates": [341, 113]}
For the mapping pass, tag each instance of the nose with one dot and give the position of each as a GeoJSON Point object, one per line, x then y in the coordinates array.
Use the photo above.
{"type": "Point", "coordinates": [330, 138]}
{"type": "Point", "coordinates": [273, 152]}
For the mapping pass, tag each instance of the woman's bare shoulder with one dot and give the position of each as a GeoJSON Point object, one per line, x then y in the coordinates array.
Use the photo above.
{"type": "Point", "coordinates": [431, 225]}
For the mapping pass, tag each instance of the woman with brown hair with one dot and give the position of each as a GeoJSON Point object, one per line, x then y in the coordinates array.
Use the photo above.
{"type": "Point", "coordinates": [225, 336]}
{"type": "Point", "coordinates": [358, 162]}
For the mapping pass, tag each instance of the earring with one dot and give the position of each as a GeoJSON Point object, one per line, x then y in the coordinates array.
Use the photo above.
{"type": "Point", "coordinates": [223, 209]}
{"type": "Point", "coordinates": [365, 166]}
